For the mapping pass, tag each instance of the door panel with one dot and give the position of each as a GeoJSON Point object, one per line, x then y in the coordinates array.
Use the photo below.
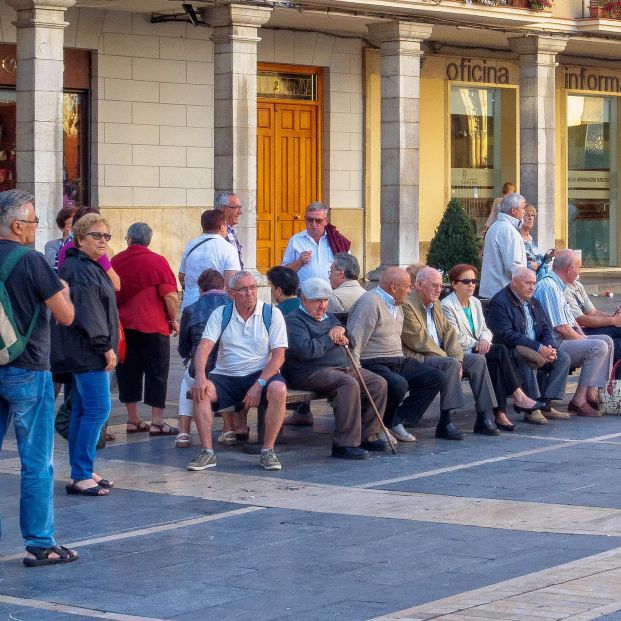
{"type": "Point", "coordinates": [288, 174]}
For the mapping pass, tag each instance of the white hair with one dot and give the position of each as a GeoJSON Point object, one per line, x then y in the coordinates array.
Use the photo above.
{"type": "Point", "coordinates": [425, 272]}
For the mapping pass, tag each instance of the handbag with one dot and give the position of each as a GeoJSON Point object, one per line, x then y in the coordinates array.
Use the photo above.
{"type": "Point", "coordinates": [610, 394]}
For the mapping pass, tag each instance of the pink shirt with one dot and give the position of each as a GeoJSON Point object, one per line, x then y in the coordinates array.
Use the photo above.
{"type": "Point", "coordinates": [104, 261]}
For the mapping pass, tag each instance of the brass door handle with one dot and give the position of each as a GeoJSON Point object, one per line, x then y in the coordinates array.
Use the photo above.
{"type": "Point", "coordinates": [296, 217]}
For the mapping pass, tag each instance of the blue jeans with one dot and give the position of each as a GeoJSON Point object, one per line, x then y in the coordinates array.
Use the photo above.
{"type": "Point", "coordinates": [27, 397]}
{"type": "Point", "coordinates": [89, 412]}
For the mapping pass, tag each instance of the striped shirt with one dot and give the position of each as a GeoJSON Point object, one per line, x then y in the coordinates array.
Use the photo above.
{"type": "Point", "coordinates": [231, 236]}
{"type": "Point", "coordinates": [550, 291]}
{"type": "Point", "coordinates": [530, 325]}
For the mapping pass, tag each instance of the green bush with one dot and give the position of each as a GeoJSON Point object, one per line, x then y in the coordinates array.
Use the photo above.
{"type": "Point", "coordinates": [454, 240]}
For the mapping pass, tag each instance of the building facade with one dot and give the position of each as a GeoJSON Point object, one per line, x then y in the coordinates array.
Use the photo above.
{"type": "Point", "coordinates": [384, 110]}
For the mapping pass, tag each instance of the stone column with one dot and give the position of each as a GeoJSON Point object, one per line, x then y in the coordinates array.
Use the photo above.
{"type": "Point", "coordinates": [39, 146]}
{"type": "Point", "coordinates": [537, 128]}
{"type": "Point", "coordinates": [235, 40]}
{"type": "Point", "coordinates": [400, 67]}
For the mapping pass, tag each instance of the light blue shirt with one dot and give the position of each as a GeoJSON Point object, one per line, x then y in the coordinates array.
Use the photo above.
{"type": "Point", "coordinates": [431, 325]}
{"type": "Point", "coordinates": [550, 291]}
{"type": "Point", "coordinates": [390, 301]}
{"type": "Point", "coordinates": [325, 315]}
{"type": "Point", "coordinates": [530, 326]}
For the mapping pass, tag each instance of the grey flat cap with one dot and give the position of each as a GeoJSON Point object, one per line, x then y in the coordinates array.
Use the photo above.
{"type": "Point", "coordinates": [316, 289]}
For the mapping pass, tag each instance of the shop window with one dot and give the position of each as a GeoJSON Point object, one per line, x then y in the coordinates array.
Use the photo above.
{"type": "Point", "coordinates": [483, 154]}
{"type": "Point", "coordinates": [592, 162]}
{"type": "Point", "coordinates": [75, 123]}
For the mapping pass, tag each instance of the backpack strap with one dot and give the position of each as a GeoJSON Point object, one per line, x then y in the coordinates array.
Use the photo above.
{"type": "Point", "coordinates": [11, 260]}
{"type": "Point", "coordinates": [8, 265]}
{"type": "Point", "coordinates": [200, 243]}
{"type": "Point", "coordinates": [227, 313]}
{"type": "Point", "coordinates": [267, 316]}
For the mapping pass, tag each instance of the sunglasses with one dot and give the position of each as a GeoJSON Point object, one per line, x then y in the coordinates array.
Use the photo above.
{"type": "Point", "coordinates": [468, 281]}
{"type": "Point", "coordinates": [97, 235]}
{"type": "Point", "coordinates": [315, 220]}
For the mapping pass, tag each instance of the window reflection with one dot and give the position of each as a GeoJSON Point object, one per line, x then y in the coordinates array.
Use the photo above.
{"type": "Point", "coordinates": [482, 147]}
{"type": "Point", "coordinates": [591, 152]}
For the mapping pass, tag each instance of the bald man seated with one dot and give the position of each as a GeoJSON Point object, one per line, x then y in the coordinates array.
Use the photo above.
{"type": "Point", "coordinates": [375, 325]}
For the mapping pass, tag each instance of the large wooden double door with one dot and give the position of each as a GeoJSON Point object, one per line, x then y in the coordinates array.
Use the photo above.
{"type": "Point", "coordinates": [288, 172]}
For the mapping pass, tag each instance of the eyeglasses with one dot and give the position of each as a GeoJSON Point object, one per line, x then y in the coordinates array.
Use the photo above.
{"type": "Point", "coordinates": [97, 235]}
{"type": "Point", "coordinates": [239, 207]}
{"type": "Point", "coordinates": [468, 281]}
{"type": "Point", "coordinates": [246, 289]}
{"type": "Point", "coordinates": [435, 285]}
{"type": "Point", "coordinates": [315, 220]}
{"type": "Point", "coordinates": [35, 221]}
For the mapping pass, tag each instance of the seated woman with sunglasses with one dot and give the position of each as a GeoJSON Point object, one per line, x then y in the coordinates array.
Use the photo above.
{"type": "Point", "coordinates": [87, 349]}
{"type": "Point", "coordinates": [464, 312]}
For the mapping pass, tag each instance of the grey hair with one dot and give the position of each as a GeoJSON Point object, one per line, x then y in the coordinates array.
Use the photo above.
{"type": "Point", "coordinates": [511, 201]}
{"type": "Point", "coordinates": [520, 272]}
{"type": "Point", "coordinates": [237, 276]}
{"type": "Point", "coordinates": [317, 206]}
{"type": "Point", "coordinates": [424, 273]}
{"type": "Point", "coordinates": [563, 259]}
{"type": "Point", "coordinates": [13, 207]}
{"type": "Point", "coordinates": [141, 233]}
{"type": "Point", "coordinates": [348, 263]}
{"type": "Point", "coordinates": [222, 199]}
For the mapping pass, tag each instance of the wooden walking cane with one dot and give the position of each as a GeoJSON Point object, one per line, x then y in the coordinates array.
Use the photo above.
{"type": "Point", "coordinates": [368, 394]}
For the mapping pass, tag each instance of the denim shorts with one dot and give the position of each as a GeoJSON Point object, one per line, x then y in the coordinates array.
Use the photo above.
{"type": "Point", "coordinates": [232, 390]}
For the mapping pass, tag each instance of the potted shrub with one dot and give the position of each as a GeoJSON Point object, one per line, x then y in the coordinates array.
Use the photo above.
{"type": "Point", "coordinates": [454, 241]}
{"type": "Point", "coordinates": [541, 5]}
{"type": "Point", "coordinates": [596, 8]}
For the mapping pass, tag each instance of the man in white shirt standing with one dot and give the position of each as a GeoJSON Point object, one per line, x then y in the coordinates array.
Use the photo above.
{"type": "Point", "coordinates": [504, 249]}
{"type": "Point", "coordinates": [251, 351]}
{"type": "Point", "coordinates": [209, 250]}
{"type": "Point", "coordinates": [308, 252]}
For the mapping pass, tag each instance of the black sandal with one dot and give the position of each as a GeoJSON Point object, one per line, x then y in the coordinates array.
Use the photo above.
{"type": "Point", "coordinates": [73, 490]}
{"type": "Point", "coordinates": [105, 483]}
{"type": "Point", "coordinates": [163, 430]}
{"type": "Point", "coordinates": [42, 556]}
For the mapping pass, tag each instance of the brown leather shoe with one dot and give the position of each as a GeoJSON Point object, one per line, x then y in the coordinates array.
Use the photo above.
{"type": "Point", "coordinates": [553, 414]}
{"type": "Point", "coordinates": [584, 409]}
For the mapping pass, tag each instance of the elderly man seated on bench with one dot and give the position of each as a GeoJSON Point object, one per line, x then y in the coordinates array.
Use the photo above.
{"type": "Point", "coordinates": [252, 339]}
{"type": "Point", "coordinates": [316, 360]}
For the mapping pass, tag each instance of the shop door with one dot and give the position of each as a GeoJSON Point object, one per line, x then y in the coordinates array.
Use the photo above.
{"type": "Point", "coordinates": [288, 173]}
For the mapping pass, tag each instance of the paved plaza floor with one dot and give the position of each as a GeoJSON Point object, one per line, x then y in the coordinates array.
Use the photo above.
{"type": "Point", "coordinates": [523, 526]}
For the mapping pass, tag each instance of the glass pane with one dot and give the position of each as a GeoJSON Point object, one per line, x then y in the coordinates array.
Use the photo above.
{"type": "Point", "coordinates": [482, 146]}
{"type": "Point", "coordinates": [7, 140]}
{"type": "Point", "coordinates": [591, 151]}
{"type": "Point", "coordinates": [74, 149]}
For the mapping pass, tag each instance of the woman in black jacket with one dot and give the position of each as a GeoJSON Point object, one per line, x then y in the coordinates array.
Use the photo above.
{"type": "Point", "coordinates": [87, 349]}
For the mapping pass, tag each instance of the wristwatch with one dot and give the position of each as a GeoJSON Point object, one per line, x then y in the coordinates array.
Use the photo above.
{"type": "Point", "coordinates": [262, 383]}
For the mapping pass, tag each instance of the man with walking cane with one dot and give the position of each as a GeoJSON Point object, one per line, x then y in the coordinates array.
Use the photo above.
{"type": "Point", "coordinates": [317, 360]}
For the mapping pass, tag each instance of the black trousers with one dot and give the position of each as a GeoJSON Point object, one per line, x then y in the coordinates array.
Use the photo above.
{"type": "Point", "coordinates": [503, 373]}
{"type": "Point", "coordinates": [615, 334]}
{"type": "Point", "coordinates": [406, 375]}
{"type": "Point", "coordinates": [147, 355]}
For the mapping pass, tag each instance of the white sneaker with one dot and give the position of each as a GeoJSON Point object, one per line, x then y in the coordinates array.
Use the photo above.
{"type": "Point", "coordinates": [399, 432]}
{"type": "Point", "coordinates": [205, 459]}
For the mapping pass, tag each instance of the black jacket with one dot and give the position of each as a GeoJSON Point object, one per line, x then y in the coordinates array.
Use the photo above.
{"type": "Point", "coordinates": [81, 346]}
{"type": "Point", "coordinates": [505, 318]}
{"type": "Point", "coordinates": [310, 347]}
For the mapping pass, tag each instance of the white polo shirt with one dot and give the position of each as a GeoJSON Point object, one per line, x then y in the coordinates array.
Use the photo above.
{"type": "Point", "coordinates": [217, 253]}
{"type": "Point", "coordinates": [321, 258]}
{"type": "Point", "coordinates": [245, 346]}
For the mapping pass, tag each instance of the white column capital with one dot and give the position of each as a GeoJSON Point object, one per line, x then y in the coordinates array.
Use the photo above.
{"type": "Point", "coordinates": [537, 44]}
{"type": "Point", "coordinates": [41, 13]}
{"type": "Point", "coordinates": [233, 14]}
{"type": "Point", "coordinates": [399, 31]}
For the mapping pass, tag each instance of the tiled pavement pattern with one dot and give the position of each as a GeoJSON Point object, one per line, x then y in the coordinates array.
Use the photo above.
{"type": "Point", "coordinates": [524, 526]}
